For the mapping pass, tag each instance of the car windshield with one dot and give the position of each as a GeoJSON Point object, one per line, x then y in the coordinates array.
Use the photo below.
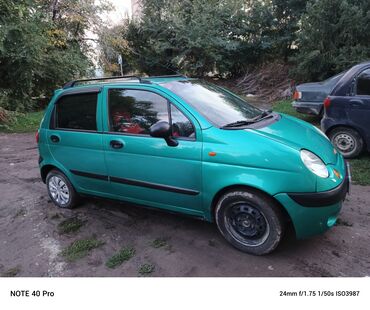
{"type": "Point", "coordinates": [216, 104]}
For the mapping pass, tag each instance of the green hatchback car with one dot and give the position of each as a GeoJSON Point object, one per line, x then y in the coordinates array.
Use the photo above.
{"type": "Point", "coordinates": [188, 146]}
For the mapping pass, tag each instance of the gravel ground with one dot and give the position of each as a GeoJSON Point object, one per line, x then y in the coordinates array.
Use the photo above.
{"type": "Point", "coordinates": [165, 244]}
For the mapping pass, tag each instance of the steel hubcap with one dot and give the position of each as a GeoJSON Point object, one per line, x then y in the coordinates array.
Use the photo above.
{"type": "Point", "coordinates": [344, 142]}
{"type": "Point", "coordinates": [247, 224]}
{"type": "Point", "coordinates": [59, 190]}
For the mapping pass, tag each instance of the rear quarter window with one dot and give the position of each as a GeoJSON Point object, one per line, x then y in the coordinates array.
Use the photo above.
{"type": "Point", "coordinates": [363, 83]}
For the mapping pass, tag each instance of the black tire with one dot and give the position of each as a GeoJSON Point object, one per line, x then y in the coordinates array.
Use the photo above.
{"type": "Point", "coordinates": [347, 141]}
{"type": "Point", "coordinates": [252, 222]}
{"type": "Point", "coordinates": [57, 179]}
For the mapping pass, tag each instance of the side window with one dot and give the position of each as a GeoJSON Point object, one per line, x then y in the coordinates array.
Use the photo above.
{"type": "Point", "coordinates": [363, 83]}
{"type": "Point", "coordinates": [134, 111]}
{"type": "Point", "coordinates": [76, 112]}
{"type": "Point", "coordinates": [181, 125]}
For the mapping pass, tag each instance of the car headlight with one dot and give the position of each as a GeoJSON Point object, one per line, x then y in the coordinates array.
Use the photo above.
{"type": "Point", "coordinates": [314, 163]}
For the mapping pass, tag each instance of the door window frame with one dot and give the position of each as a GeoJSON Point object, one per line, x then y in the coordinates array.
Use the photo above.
{"type": "Point", "coordinates": [53, 116]}
{"type": "Point", "coordinates": [107, 118]}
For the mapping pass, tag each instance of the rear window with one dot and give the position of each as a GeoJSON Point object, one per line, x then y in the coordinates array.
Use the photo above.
{"type": "Point", "coordinates": [77, 112]}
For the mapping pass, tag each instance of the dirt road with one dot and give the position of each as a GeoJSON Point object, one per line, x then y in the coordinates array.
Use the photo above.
{"type": "Point", "coordinates": [171, 245]}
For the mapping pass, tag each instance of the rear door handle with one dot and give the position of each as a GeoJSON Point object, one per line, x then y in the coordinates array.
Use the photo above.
{"type": "Point", "coordinates": [356, 102]}
{"type": "Point", "coordinates": [115, 144]}
{"type": "Point", "coordinates": [54, 138]}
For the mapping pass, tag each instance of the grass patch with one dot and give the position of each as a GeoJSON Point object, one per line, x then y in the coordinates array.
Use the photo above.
{"type": "Point", "coordinates": [55, 216]}
{"type": "Point", "coordinates": [360, 169]}
{"type": "Point", "coordinates": [20, 212]}
{"type": "Point", "coordinates": [285, 106]}
{"type": "Point", "coordinates": [341, 222]}
{"type": "Point", "coordinates": [212, 243]}
{"type": "Point", "coordinates": [22, 122]}
{"type": "Point", "coordinates": [146, 269]}
{"type": "Point", "coordinates": [122, 256]}
{"type": "Point", "coordinates": [80, 248]}
{"type": "Point", "coordinates": [159, 243]}
{"type": "Point", "coordinates": [12, 272]}
{"type": "Point", "coordinates": [70, 225]}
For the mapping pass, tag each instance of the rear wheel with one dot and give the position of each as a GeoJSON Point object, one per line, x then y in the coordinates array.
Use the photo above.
{"type": "Point", "coordinates": [347, 141]}
{"type": "Point", "coordinates": [250, 221]}
{"type": "Point", "coordinates": [61, 190]}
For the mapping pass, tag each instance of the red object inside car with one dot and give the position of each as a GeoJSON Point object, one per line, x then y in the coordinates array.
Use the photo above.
{"type": "Point", "coordinates": [122, 122]}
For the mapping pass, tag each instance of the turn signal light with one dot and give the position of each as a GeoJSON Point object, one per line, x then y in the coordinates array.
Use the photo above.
{"type": "Point", "coordinates": [327, 102]}
{"type": "Point", "coordinates": [336, 173]}
{"type": "Point", "coordinates": [37, 137]}
{"type": "Point", "coordinates": [297, 95]}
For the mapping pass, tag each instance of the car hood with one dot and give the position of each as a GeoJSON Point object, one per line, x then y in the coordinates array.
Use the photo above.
{"type": "Point", "coordinates": [299, 135]}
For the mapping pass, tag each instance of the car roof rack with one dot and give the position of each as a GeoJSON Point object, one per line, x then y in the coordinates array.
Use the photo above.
{"type": "Point", "coordinates": [139, 78]}
{"type": "Point", "coordinates": [74, 82]}
{"type": "Point", "coordinates": [165, 76]}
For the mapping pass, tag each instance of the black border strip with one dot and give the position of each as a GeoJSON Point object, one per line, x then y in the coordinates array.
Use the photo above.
{"type": "Point", "coordinates": [161, 187]}
{"type": "Point", "coordinates": [155, 186]}
{"type": "Point", "coordinates": [90, 175]}
{"type": "Point", "coordinates": [323, 199]}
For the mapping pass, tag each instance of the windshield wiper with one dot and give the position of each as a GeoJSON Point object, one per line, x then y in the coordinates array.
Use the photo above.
{"type": "Point", "coordinates": [264, 115]}
{"type": "Point", "coordinates": [239, 123]}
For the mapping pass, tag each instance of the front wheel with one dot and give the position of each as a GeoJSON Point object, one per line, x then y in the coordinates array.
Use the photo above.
{"type": "Point", "coordinates": [250, 221]}
{"type": "Point", "coordinates": [347, 141]}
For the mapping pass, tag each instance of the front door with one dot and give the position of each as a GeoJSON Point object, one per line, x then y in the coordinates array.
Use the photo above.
{"type": "Point", "coordinates": [144, 169]}
{"type": "Point", "coordinates": [75, 140]}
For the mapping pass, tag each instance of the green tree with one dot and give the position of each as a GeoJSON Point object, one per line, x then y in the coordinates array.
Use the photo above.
{"type": "Point", "coordinates": [335, 34]}
{"type": "Point", "coordinates": [201, 36]}
{"type": "Point", "coordinates": [193, 36]}
{"type": "Point", "coordinates": [42, 45]}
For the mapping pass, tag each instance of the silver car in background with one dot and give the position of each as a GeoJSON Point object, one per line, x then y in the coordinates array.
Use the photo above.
{"type": "Point", "coordinates": [309, 97]}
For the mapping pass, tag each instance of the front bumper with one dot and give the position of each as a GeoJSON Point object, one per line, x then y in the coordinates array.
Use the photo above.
{"type": "Point", "coordinates": [307, 221]}
{"type": "Point", "coordinates": [314, 213]}
{"type": "Point", "coordinates": [307, 107]}
{"type": "Point", "coordinates": [322, 199]}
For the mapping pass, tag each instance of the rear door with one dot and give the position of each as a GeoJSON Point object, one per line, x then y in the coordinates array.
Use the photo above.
{"type": "Point", "coordinates": [144, 169]}
{"type": "Point", "coordinates": [359, 103]}
{"type": "Point", "coordinates": [75, 139]}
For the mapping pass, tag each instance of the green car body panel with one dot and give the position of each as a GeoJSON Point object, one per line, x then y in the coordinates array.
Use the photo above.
{"type": "Point", "coordinates": [267, 159]}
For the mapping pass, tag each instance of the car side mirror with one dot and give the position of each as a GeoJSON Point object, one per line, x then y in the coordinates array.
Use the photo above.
{"type": "Point", "coordinates": [162, 129]}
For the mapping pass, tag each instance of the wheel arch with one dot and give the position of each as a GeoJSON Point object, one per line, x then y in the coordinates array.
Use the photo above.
{"type": "Point", "coordinates": [330, 129]}
{"type": "Point", "coordinates": [226, 189]}
{"type": "Point", "coordinates": [45, 170]}
{"type": "Point", "coordinates": [359, 131]}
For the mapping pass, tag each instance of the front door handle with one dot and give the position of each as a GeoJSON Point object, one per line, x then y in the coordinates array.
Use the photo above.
{"type": "Point", "coordinates": [116, 144]}
{"type": "Point", "coordinates": [54, 138]}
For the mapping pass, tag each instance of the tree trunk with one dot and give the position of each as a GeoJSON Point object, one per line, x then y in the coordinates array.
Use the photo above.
{"type": "Point", "coordinates": [54, 9]}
